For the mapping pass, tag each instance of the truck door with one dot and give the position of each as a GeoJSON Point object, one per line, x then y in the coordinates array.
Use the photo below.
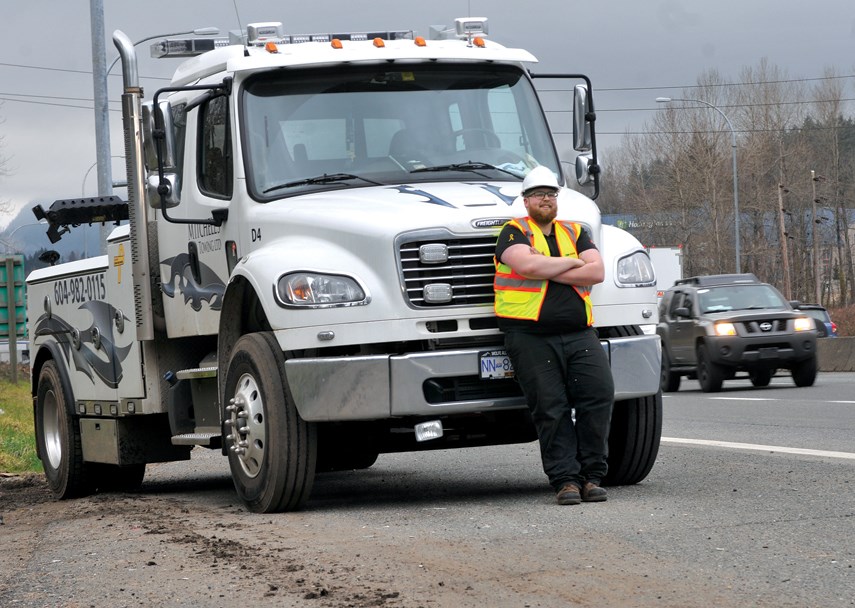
{"type": "Point", "coordinates": [194, 268]}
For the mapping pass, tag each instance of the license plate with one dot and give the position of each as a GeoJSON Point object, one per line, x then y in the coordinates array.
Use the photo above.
{"type": "Point", "coordinates": [495, 364]}
{"type": "Point", "coordinates": [769, 353]}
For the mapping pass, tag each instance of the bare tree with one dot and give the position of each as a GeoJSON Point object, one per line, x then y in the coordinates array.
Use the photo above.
{"type": "Point", "coordinates": [828, 156]}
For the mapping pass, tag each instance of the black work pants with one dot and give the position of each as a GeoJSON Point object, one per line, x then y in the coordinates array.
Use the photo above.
{"type": "Point", "coordinates": [559, 373]}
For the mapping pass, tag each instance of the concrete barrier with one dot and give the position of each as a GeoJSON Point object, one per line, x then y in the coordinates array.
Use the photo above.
{"type": "Point", "coordinates": [836, 354]}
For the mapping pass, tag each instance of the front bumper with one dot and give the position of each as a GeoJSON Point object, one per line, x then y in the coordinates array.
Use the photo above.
{"type": "Point", "coordinates": [378, 387]}
{"type": "Point", "coordinates": [741, 352]}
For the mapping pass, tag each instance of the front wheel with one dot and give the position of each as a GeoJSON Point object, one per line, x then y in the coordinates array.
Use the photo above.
{"type": "Point", "coordinates": [58, 436]}
{"type": "Point", "coordinates": [804, 374]}
{"type": "Point", "coordinates": [271, 449]}
{"type": "Point", "coordinates": [710, 375]}
{"type": "Point", "coordinates": [634, 437]}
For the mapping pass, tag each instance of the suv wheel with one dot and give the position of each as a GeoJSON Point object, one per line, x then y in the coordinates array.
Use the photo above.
{"type": "Point", "coordinates": [669, 381]}
{"type": "Point", "coordinates": [710, 375]}
{"type": "Point", "coordinates": [804, 373]}
{"type": "Point", "coordinates": [760, 377]}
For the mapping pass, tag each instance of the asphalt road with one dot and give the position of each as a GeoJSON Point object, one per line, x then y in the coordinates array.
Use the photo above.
{"type": "Point", "coordinates": [751, 503]}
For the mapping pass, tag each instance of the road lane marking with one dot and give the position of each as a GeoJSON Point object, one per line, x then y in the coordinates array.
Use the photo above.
{"type": "Point", "coordinates": [841, 401]}
{"type": "Point", "coordinates": [761, 448]}
{"type": "Point", "coordinates": [744, 398]}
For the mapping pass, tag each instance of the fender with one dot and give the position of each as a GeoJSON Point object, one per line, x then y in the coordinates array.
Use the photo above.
{"type": "Point", "coordinates": [47, 352]}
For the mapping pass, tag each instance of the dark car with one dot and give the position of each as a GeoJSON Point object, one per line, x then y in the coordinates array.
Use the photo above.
{"type": "Point", "coordinates": [825, 327]}
{"type": "Point", "coordinates": [713, 327]}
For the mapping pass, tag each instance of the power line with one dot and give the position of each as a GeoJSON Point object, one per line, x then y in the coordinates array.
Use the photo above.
{"type": "Point", "coordinates": [69, 70]}
{"type": "Point", "coordinates": [58, 105]}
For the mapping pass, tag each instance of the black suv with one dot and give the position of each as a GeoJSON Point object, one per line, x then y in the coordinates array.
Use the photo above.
{"type": "Point", "coordinates": [715, 326]}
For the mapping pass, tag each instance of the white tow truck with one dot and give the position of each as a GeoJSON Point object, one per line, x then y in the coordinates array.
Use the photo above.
{"type": "Point", "coordinates": [304, 280]}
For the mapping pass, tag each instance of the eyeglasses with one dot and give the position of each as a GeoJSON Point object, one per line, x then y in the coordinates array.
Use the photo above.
{"type": "Point", "coordinates": [540, 195]}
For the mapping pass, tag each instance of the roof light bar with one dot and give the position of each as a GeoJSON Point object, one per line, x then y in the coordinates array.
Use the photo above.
{"type": "Point", "coordinates": [260, 33]}
{"type": "Point", "coordinates": [184, 47]}
{"type": "Point", "coordinates": [263, 34]}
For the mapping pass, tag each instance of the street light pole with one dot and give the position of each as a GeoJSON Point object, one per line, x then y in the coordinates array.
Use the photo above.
{"type": "Point", "coordinates": [735, 178]}
{"type": "Point", "coordinates": [201, 31]}
{"type": "Point", "coordinates": [99, 86]}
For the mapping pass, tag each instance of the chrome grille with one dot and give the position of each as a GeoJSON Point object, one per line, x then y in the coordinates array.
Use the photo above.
{"type": "Point", "coordinates": [468, 270]}
{"type": "Point", "coordinates": [777, 326]}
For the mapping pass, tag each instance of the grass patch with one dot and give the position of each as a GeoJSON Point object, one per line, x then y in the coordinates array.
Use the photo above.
{"type": "Point", "coordinates": [17, 434]}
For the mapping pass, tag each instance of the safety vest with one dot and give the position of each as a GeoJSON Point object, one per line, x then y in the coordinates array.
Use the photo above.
{"type": "Point", "coordinates": [518, 297]}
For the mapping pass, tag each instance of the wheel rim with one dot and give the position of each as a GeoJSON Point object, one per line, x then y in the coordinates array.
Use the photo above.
{"type": "Point", "coordinates": [248, 436]}
{"type": "Point", "coordinates": [51, 429]}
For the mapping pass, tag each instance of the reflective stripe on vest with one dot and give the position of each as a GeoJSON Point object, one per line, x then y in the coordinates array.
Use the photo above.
{"type": "Point", "coordinates": [518, 297]}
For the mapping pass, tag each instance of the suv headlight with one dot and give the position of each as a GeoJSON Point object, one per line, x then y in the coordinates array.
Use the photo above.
{"type": "Point", "coordinates": [317, 290]}
{"type": "Point", "coordinates": [634, 270]}
{"type": "Point", "coordinates": [804, 324]}
{"type": "Point", "coordinates": [725, 328]}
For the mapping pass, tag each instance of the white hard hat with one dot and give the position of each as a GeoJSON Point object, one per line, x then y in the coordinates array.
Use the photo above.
{"type": "Point", "coordinates": [539, 177]}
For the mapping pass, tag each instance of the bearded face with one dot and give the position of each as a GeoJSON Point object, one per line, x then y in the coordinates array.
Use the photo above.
{"type": "Point", "coordinates": [542, 211]}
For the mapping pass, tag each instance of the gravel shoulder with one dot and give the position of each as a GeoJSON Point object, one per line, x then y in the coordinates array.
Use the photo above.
{"type": "Point", "coordinates": [410, 532]}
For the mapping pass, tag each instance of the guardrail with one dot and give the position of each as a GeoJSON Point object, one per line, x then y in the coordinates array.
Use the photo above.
{"type": "Point", "coordinates": [836, 354]}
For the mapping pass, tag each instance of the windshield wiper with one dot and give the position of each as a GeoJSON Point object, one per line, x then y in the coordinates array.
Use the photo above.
{"type": "Point", "coordinates": [326, 178]}
{"type": "Point", "coordinates": [474, 167]}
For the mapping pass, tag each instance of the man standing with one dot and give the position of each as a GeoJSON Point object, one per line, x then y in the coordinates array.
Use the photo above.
{"type": "Point", "coordinates": [544, 270]}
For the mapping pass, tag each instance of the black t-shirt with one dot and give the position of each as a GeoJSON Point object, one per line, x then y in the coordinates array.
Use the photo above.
{"type": "Point", "coordinates": [563, 308]}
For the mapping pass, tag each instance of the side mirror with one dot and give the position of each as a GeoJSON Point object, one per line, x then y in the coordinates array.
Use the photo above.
{"type": "Point", "coordinates": [584, 162]}
{"type": "Point", "coordinates": [152, 121]}
{"type": "Point", "coordinates": [682, 312]}
{"type": "Point", "coordinates": [581, 124]}
{"type": "Point", "coordinates": [165, 194]}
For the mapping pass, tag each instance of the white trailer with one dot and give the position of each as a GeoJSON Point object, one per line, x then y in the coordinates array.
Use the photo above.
{"type": "Point", "coordinates": [305, 277]}
{"type": "Point", "coordinates": [668, 266]}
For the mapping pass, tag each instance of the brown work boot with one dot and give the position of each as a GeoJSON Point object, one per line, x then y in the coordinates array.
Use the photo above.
{"type": "Point", "coordinates": [592, 492]}
{"type": "Point", "coordinates": [568, 495]}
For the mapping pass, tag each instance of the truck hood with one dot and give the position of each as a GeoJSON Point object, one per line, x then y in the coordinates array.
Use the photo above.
{"type": "Point", "coordinates": [462, 207]}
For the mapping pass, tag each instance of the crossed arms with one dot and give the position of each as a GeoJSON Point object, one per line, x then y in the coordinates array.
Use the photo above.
{"type": "Point", "coordinates": [587, 269]}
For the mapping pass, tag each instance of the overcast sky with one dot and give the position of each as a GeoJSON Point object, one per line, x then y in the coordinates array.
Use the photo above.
{"type": "Point", "coordinates": [633, 50]}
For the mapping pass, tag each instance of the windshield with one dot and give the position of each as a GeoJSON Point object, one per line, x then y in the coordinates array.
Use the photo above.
{"type": "Point", "coordinates": [360, 125]}
{"type": "Point", "coordinates": [741, 297]}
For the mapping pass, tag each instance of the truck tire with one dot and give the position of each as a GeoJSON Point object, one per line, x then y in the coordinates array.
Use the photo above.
{"type": "Point", "coordinates": [710, 375]}
{"type": "Point", "coordinates": [271, 449]}
{"type": "Point", "coordinates": [634, 437]}
{"type": "Point", "coordinates": [670, 380]}
{"type": "Point", "coordinates": [58, 436]}
{"type": "Point", "coordinates": [804, 373]}
{"type": "Point", "coordinates": [636, 429]}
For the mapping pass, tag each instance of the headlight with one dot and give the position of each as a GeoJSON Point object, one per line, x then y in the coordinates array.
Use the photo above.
{"type": "Point", "coordinates": [804, 324]}
{"type": "Point", "coordinates": [634, 270]}
{"type": "Point", "coordinates": [725, 329]}
{"type": "Point", "coordinates": [315, 290]}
